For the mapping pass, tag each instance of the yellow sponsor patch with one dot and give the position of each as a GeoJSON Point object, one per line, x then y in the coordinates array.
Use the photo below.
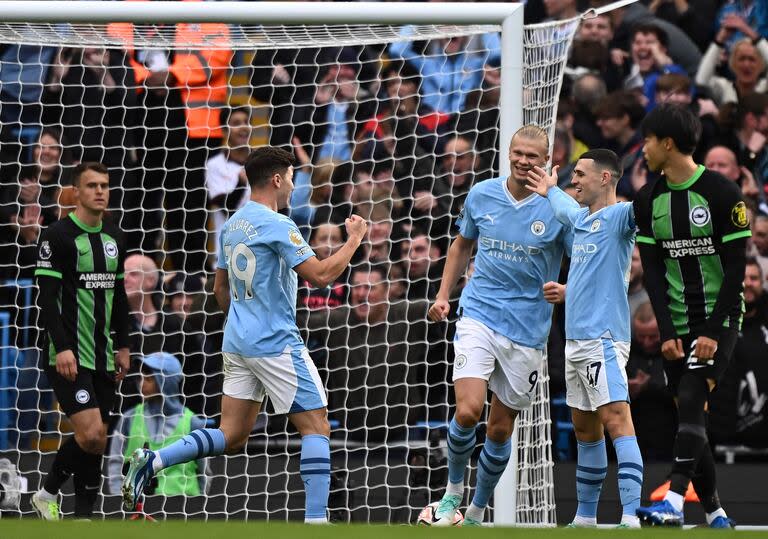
{"type": "Point", "coordinates": [739, 215]}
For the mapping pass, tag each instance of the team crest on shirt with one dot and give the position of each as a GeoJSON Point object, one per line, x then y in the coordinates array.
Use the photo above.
{"type": "Point", "coordinates": [461, 360]}
{"type": "Point", "coordinates": [739, 215]}
{"type": "Point", "coordinates": [45, 250]}
{"type": "Point", "coordinates": [700, 215]}
{"type": "Point", "coordinates": [595, 226]}
{"type": "Point", "coordinates": [538, 227]}
{"type": "Point", "coordinates": [110, 249]}
{"type": "Point", "coordinates": [82, 396]}
{"type": "Point", "coordinates": [295, 237]}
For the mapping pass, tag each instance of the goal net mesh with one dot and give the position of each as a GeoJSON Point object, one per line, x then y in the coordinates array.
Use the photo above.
{"type": "Point", "coordinates": [392, 123]}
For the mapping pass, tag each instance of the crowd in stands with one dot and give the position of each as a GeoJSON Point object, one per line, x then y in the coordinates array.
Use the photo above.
{"type": "Point", "coordinates": [396, 133]}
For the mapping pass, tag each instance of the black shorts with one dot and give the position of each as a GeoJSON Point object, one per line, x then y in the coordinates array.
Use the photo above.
{"type": "Point", "coordinates": [91, 389]}
{"type": "Point", "coordinates": [712, 370]}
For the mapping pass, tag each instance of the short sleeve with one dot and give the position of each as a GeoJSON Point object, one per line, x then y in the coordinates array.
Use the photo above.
{"type": "Point", "coordinates": [642, 216]}
{"type": "Point", "coordinates": [289, 243]}
{"type": "Point", "coordinates": [465, 221]}
{"type": "Point", "coordinates": [731, 222]}
{"type": "Point", "coordinates": [51, 254]}
{"type": "Point", "coordinates": [625, 219]}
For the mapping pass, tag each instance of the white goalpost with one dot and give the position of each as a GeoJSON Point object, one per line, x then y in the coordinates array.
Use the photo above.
{"type": "Point", "coordinates": [388, 384]}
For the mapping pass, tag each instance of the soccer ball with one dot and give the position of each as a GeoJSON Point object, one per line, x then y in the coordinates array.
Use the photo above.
{"type": "Point", "coordinates": [427, 516]}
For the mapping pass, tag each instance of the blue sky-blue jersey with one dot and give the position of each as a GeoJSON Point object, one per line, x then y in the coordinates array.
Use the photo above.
{"type": "Point", "coordinates": [520, 245]}
{"type": "Point", "coordinates": [259, 249]}
{"type": "Point", "coordinates": [596, 302]}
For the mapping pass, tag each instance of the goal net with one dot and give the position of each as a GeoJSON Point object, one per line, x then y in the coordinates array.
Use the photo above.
{"type": "Point", "coordinates": [394, 123]}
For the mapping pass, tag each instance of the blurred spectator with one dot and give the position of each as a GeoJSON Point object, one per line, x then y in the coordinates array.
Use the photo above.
{"type": "Point", "coordinates": [560, 10]}
{"type": "Point", "coordinates": [228, 188]}
{"type": "Point", "coordinates": [196, 80]}
{"type": "Point", "coordinates": [422, 266]}
{"type": "Point", "coordinates": [587, 92]}
{"type": "Point", "coordinates": [91, 94]}
{"type": "Point", "coordinates": [746, 61]}
{"type": "Point", "coordinates": [738, 16]}
{"type": "Point", "coordinates": [759, 242]}
{"type": "Point", "coordinates": [180, 291]}
{"type": "Point", "coordinates": [29, 202]}
{"type": "Point", "coordinates": [677, 88]}
{"type": "Point", "coordinates": [561, 157]}
{"type": "Point", "coordinates": [653, 409]}
{"type": "Point", "coordinates": [598, 29]}
{"type": "Point", "coordinates": [683, 51]}
{"type": "Point", "coordinates": [376, 351]}
{"type": "Point", "coordinates": [325, 240]}
{"type": "Point", "coordinates": [649, 59]}
{"type": "Point", "coordinates": [449, 70]}
{"type": "Point", "coordinates": [341, 105]}
{"type": "Point", "coordinates": [159, 420]}
{"type": "Point", "coordinates": [738, 407]}
{"type": "Point", "coordinates": [636, 290]}
{"type": "Point", "coordinates": [287, 80]}
{"type": "Point", "coordinates": [480, 119]}
{"type": "Point", "coordinates": [156, 330]}
{"type": "Point", "coordinates": [695, 20]}
{"type": "Point", "coordinates": [565, 122]}
{"type": "Point", "coordinates": [723, 160]}
{"type": "Point", "coordinates": [744, 128]}
{"type": "Point", "coordinates": [313, 189]}
{"type": "Point", "coordinates": [153, 329]}
{"type": "Point", "coordinates": [24, 69]}
{"type": "Point", "coordinates": [618, 116]}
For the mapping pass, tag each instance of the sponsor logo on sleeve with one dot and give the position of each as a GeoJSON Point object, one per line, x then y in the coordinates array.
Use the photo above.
{"type": "Point", "coordinates": [295, 237]}
{"type": "Point", "coordinates": [304, 250]}
{"type": "Point", "coordinates": [45, 250]}
{"type": "Point", "coordinates": [739, 215]}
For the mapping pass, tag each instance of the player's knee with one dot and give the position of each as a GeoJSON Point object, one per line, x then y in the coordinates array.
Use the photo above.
{"type": "Point", "coordinates": [235, 440]}
{"type": "Point", "coordinates": [499, 432]}
{"type": "Point", "coordinates": [92, 440]}
{"type": "Point", "coordinates": [468, 415]}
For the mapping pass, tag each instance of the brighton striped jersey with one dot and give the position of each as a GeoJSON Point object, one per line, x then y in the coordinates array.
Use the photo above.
{"type": "Point", "coordinates": [88, 260]}
{"type": "Point", "coordinates": [520, 247]}
{"type": "Point", "coordinates": [596, 301]}
{"type": "Point", "coordinates": [689, 224]}
{"type": "Point", "coordinates": [259, 249]}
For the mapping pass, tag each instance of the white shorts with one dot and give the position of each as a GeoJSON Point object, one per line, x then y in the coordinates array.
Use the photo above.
{"type": "Point", "coordinates": [511, 370]}
{"type": "Point", "coordinates": [595, 373]}
{"type": "Point", "coordinates": [291, 380]}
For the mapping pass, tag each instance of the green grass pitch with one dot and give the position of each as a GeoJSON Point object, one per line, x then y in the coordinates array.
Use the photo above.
{"type": "Point", "coordinates": [34, 529]}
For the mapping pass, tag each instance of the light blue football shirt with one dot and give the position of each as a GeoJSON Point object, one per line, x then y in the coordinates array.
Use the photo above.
{"type": "Point", "coordinates": [259, 249]}
{"type": "Point", "coordinates": [596, 301]}
{"type": "Point", "coordinates": [520, 247]}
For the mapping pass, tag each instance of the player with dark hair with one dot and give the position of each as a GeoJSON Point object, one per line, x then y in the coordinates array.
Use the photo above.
{"type": "Point", "coordinates": [692, 232]}
{"type": "Point", "coordinates": [260, 253]}
{"type": "Point", "coordinates": [598, 339]}
{"type": "Point", "coordinates": [82, 303]}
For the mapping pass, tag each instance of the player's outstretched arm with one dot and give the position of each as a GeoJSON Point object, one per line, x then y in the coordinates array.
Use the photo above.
{"type": "Point", "coordinates": [459, 254]}
{"type": "Point", "coordinates": [321, 273]}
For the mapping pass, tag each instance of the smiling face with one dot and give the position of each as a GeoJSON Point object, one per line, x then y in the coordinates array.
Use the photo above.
{"type": "Point", "coordinates": [642, 50]}
{"type": "Point", "coordinates": [285, 189]}
{"type": "Point", "coordinates": [47, 154]}
{"type": "Point", "coordinates": [238, 130]}
{"type": "Point", "coordinates": [588, 182]}
{"type": "Point", "coordinates": [524, 154]}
